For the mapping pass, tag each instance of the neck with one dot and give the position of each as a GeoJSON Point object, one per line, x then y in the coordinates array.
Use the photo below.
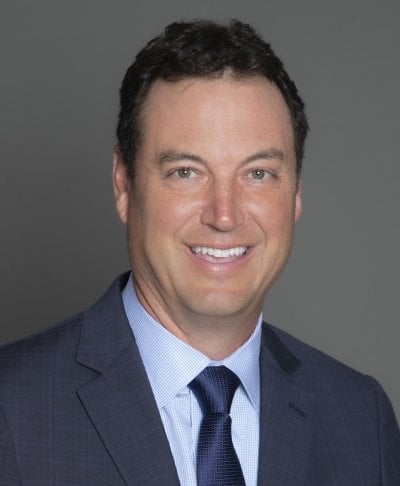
{"type": "Point", "coordinates": [215, 336]}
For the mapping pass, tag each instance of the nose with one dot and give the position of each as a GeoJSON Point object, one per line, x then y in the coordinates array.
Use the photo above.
{"type": "Point", "coordinates": [223, 208]}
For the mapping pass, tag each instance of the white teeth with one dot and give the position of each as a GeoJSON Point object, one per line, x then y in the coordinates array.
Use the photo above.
{"type": "Point", "coordinates": [220, 253]}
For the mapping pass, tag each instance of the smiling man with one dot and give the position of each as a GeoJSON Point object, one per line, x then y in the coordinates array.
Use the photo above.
{"type": "Point", "coordinates": [173, 377]}
{"type": "Point", "coordinates": [212, 206]}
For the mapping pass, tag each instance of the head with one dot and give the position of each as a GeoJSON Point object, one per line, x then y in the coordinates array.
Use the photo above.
{"type": "Point", "coordinates": [202, 49]}
{"type": "Point", "coordinates": [206, 176]}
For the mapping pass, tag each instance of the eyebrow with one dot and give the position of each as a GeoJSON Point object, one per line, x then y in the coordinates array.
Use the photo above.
{"type": "Point", "coordinates": [172, 156]}
{"type": "Point", "coordinates": [269, 154]}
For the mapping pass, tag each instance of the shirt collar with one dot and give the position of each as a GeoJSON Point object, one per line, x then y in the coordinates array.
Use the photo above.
{"type": "Point", "coordinates": [185, 362]}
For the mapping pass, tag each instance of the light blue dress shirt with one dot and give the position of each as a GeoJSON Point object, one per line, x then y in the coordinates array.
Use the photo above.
{"type": "Point", "coordinates": [171, 365]}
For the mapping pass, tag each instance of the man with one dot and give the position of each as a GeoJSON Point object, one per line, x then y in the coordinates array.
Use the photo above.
{"type": "Point", "coordinates": [172, 378]}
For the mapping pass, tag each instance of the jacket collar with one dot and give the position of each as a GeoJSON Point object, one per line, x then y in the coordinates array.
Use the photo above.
{"type": "Point", "coordinates": [119, 401]}
{"type": "Point", "coordinates": [286, 416]}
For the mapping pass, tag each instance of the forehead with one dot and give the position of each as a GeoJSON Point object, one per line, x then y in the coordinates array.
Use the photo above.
{"type": "Point", "coordinates": [214, 110]}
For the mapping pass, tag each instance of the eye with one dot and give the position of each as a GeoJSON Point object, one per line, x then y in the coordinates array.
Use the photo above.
{"type": "Point", "coordinates": [260, 174]}
{"type": "Point", "coordinates": [185, 173]}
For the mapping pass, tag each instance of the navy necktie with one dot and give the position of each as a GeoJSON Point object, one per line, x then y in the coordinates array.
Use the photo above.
{"type": "Point", "coordinates": [217, 462]}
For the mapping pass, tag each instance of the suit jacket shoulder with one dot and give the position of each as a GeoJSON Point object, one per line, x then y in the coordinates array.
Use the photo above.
{"type": "Point", "coordinates": [76, 406]}
{"type": "Point", "coordinates": [334, 425]}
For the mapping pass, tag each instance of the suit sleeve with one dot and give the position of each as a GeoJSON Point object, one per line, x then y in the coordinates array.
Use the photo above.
{"type": "Point", "coordinates": [389, 438]}
{"type": "Point", "coordinates": [9, 474]}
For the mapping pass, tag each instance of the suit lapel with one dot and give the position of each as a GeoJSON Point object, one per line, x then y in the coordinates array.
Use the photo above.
{"type": "Point", "coordinates": [119, 401]}
{"type": "Point", "coordinates": [122, 408]}
{"type": "Point", "coordinates": [286, 417]}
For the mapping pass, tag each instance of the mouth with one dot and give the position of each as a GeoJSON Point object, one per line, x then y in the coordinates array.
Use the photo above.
{"type": "Point", "coordinates": [236, 251]}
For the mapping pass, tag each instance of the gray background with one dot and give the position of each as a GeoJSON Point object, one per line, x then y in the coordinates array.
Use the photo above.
{"type": "Point", "coordinates": [61, 242]}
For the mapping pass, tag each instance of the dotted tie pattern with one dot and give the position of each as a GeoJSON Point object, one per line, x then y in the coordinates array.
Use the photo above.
{"type": "Point", "coordinates": [217, 462]}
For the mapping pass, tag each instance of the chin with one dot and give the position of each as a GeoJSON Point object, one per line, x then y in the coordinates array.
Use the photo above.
{"type": "Point", "coordinates": [221, 304]}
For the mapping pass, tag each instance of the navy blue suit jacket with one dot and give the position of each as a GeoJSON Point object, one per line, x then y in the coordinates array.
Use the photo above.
{"type": "Point", "coordinates": [77, 409]}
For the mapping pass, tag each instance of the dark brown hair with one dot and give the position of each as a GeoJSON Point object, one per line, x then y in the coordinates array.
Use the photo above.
{"type": "Point", "coordinates": [202, 49]}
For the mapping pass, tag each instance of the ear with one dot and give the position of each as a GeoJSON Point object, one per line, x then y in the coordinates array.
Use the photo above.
{"type": "Point", "coordinates": [298, 200]}
{"type": "Point", "coordinates": [121, 185]}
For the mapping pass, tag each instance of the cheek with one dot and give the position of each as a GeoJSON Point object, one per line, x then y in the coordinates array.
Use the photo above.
{"type": "Point", "coordinates": [165, 214]}
{"type": "Point", "coordinates": [275, 216]}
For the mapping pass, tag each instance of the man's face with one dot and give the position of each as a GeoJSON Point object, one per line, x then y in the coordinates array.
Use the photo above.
{"type": "Point", "coordinates": [212, 208]}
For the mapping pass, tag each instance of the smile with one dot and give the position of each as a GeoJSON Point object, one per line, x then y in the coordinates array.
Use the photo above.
{"type": "Point", "coordinates": [219, 252]}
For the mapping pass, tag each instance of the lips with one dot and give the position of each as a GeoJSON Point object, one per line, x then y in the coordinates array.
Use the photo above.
{"type": "Point", "coordinates": [236, 251]}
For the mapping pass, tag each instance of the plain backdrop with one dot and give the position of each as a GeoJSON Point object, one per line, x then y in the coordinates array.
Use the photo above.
{"type": "Point", "coordinates": [61, 242]}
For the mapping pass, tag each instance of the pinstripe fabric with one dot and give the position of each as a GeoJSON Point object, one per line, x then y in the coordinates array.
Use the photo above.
{"type": "Point", "coordinates": [77, 409]}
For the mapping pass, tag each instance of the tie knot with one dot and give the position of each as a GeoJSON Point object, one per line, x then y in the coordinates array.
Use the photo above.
{"type": "Point", "coordinates": [214, 388]}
